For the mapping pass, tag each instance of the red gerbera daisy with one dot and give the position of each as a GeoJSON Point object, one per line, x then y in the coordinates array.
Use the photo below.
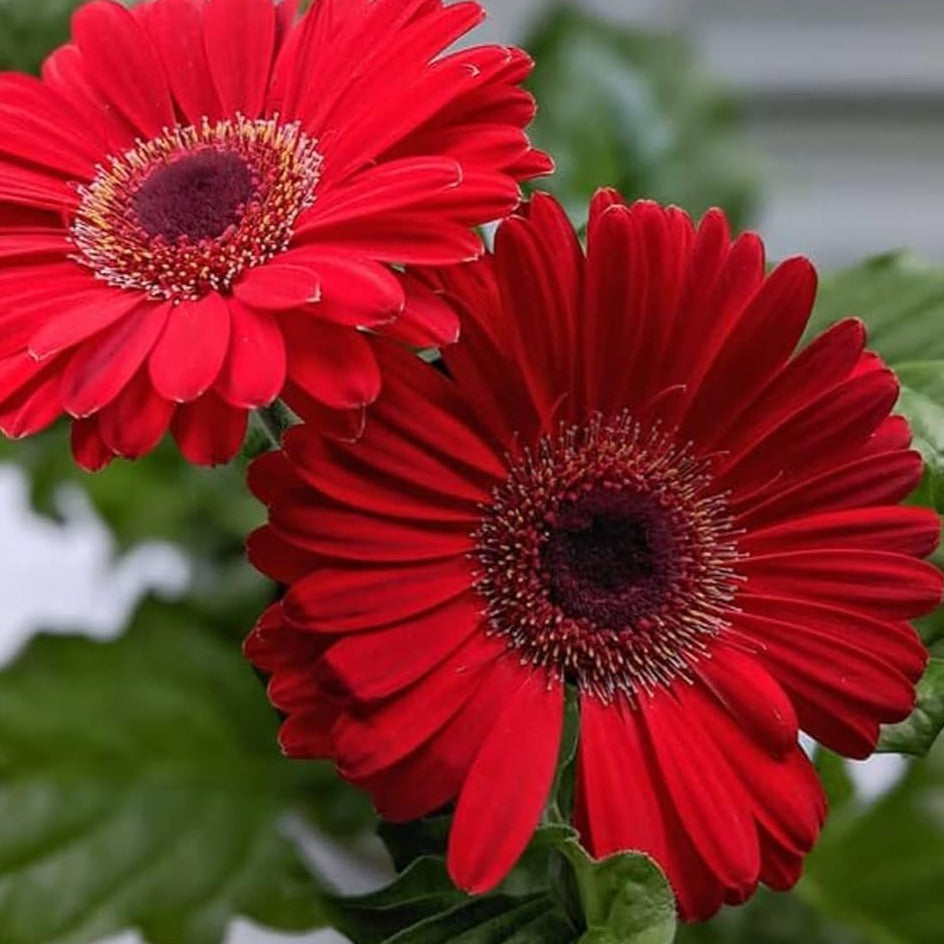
{"type": "Point", "coordinates": [198, 199]}
{"type": "Point", "coordinates": [629, 484]}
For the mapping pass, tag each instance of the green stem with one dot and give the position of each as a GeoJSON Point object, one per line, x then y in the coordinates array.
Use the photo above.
{"type": "Point", "coordinates": [275, 420]}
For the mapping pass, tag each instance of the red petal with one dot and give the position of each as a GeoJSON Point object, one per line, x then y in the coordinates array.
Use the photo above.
{"type": "Point", "coordinates": [880, 584]}
{"type": "Point", "coordinates": [760, 342]}
{"type": "Point", "coordinates": [426, 320]}
{"type": "Point", "coordinates": [408, 238]}
{"type": "Point", "coordinates": [434, 773]}
{"type": "Point", "coordinates": [81, 317]}
{"type": "Point", "coordinates": [819, 435]}
{"type": "Point", "coordinates": [388, 188]}
{"type": "Point", "coordinates": [188, 356]}
{"type": "Point", "coordinates": [209, 431]}
{"type": "Point", "coordinates": [277, 287]}
{"type": "Point", "coordinates": [355, 291]}
{"type": "Point", "coordinates": [36, 405]}
{"type": "Point", "coordinates": [176, 28]}
{"type": "Point", "coordinates": [872, 480]}
{"type": "Point", "coordinates": [710, 802]}
{"type": "Point", "coordinates": [345, 534]}
{"type": "Point", "coordinates": [507, 786]}
{"type": "Point", "coordinates": [347, 474]}
{"type": "Point", "coordinates": [100, 368]}
{"type": "Point", "coordinates": [240, 43]}
{"type": "Point", "coordinates": [136, 420]}
{"type": "Point", "coordinates": [376, 665]}
{"type": "Point", "coordinates": [254, 370]}
{"type": "Point", "coordinates": [344, 600]}
{"type": "Point", "coordinates": [278, 558]}
{"type": "Point", "coordinates": [332, 364]}
{"type": "Point", "coordinates": [307, 734]}
{"type": "Point", "coordinates": [88, 447]}
{"type": "Point", "coordinates": [835, 684]}
{"type": "Point", "coordinates": [382, 734]}
{"type": "Point", "coordinates": [752, 698]}
{"type": "Point", "coordinates": [822, 364]}
{"type": "Point", "coordinates": [911, 531]}
{"type": "Point", "coordinates": [113, 43]}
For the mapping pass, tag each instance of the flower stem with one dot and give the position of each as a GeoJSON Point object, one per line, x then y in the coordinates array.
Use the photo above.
{"type": "Point", "coordinates": [274, 420]}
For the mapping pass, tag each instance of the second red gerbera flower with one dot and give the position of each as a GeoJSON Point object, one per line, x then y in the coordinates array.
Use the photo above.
{"type": "Point", "coordinates": [627, 483]}
{"type": "Point", "coordinates": [199, 200]}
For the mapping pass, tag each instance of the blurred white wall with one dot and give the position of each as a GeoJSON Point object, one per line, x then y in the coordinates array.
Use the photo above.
{"type": "Point", "coordinates": [845, 101]}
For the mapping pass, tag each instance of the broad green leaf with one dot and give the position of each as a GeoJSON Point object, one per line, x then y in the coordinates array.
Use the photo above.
{"type": "Point", "coordinates": [917, 733]}
{"type": "Point", "coordinates": [922, 402]}
{"type": "Point", "coordinates": [424, 890]}
{"type": "Point", "coordinates": [636, 111]}
{"type": "Point", "coordinates": [625, 898]}
{"type": "Point", "coordinates": [423, 907]}
{"type": "Point", "coordinates": [140, 786]}
{"type": "Point", "coordinates": [494, 919]}
{"type": "Point", "coordinates": [899, 296]}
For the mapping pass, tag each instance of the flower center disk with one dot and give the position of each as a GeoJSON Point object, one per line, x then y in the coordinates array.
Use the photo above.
{"type": "Point", "coordinates": [186, 213]}
{"type": "Point", "coordinates": [606, 558]}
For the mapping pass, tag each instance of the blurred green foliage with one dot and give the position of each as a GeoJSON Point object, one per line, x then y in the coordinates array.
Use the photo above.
{"type": "Point", "coordinates": [636, 111]}
{"type": "Point", "coordinates": [28, 31]}
{"type": "Point", "coordinates": [141, 786]}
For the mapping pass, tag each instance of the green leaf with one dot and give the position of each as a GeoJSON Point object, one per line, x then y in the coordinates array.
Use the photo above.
{"type": "Point", "coordinates": [626, 898]}
{"type": "Point", "coordinates": [636, 111]}
{"type": "Point", "coordinates": [422, 891]}
{"type": "Point", "coordinates": [140, 786]}
{"type": "Point", "coordinates": [495, 919]}
{"type": "Point", "coordinates": [880, 873]}
{"type": "Point", "coordinates": [917, 733]}
{"type": "Point", "coordinates": [423, 907]}
{"type": "Point", "coordinates": [899, 296]}
{"type": "Point", "coordinates": [922, 402]}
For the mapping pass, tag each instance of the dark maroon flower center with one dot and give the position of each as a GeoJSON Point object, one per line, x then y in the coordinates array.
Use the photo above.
{"type": "Point", "coordinates": [198, 196]}
{"type": "Point", "coordinates": [606, 558]}
{"type": "Point", "coordinates": [188, 212]}
{"type": "Point", "coordinates": [610, 557]}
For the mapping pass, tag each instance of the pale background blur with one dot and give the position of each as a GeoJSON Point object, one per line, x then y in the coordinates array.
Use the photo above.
{"type": "Point", "coordinates": [845, 108]}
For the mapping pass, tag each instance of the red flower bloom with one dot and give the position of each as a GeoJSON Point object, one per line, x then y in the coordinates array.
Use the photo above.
{"type": "Point", "coordinates": [199, 198]}
{"type": "Point", "coordinates": [628, 483]}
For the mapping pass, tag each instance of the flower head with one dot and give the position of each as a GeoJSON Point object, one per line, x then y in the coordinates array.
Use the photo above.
{"type": "Point", "coordinates": [626, 481]}
{"type": "Point", "coordinates": [200, 201]}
